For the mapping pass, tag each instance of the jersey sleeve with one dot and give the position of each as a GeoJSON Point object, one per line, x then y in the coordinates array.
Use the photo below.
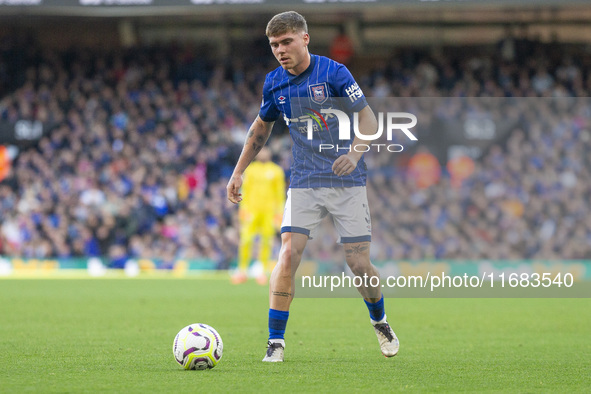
{"type": "Point", "coordinates": [269, 111]}
{"type": "Point", "coordinates": [348, 89]}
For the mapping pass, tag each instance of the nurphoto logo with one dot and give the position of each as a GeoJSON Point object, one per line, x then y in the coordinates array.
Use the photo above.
{"type": "Point", "coordinates": [317, 121]}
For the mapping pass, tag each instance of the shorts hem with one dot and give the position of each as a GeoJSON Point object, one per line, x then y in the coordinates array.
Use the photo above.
{"type": "Point", "coordinates": [350, 240]}
{"type": "Point", "coordinates": [292, 229]}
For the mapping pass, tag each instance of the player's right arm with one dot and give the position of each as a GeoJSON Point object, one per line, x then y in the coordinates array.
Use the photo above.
{"type": "Point", "coordinates": [346, 86]}
{"type": "Point", "coordinates": [257, 137]}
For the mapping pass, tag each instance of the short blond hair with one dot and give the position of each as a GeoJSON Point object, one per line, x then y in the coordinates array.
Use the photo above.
{"type": "Point", "coordinates": [286, 22]}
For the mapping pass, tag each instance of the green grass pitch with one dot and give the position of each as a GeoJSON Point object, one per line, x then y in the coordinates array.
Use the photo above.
{"type": "Point", "coordinates": [115, 335]}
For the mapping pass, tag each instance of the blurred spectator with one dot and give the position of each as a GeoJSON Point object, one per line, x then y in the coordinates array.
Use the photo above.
{"type": "Point", "coordinates": [341, 48]}
{"type": "Point", "coordinates": [4, 162]}
{"type": "Point", "coordinates": [460, 168]}
{"type": "Point", "coordinates": [424, 169]}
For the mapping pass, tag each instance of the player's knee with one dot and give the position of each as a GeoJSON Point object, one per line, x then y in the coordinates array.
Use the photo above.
{"type": "Point", "coordinates": [359, 266]}
{"type": "Point", "coordinates": [289, 256]}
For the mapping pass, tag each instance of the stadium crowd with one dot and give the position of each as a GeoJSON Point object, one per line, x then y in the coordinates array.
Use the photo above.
{"type": "Point", "coordinates": [142, 142]}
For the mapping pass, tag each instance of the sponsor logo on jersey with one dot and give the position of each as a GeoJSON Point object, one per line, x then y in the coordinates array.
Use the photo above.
{"type": "Point", "coordinates": [354, 92]}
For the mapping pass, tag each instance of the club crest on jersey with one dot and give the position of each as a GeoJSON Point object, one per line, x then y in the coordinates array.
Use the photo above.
{"type": "Point", "coordinates": [318, 92]}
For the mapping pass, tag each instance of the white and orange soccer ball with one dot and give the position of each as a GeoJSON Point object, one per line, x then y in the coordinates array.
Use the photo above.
{"type": "Point", "coordinates": [198, 346]}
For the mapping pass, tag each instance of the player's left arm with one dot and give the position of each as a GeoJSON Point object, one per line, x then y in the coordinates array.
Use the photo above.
{"type": "Point", "coordinates": [368, 125]}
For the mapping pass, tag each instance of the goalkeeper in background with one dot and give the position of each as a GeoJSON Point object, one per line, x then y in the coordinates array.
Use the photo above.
{"type": "Point", "coordinates": [260, 213]}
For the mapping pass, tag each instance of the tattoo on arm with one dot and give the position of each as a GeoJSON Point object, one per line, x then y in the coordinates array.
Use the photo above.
{"type": "Point", "coordinates": [281, 294]}
{"type": "Point", "coordinates": [358, 249]}
{"type": "Point", "coordinates": [259, 143]}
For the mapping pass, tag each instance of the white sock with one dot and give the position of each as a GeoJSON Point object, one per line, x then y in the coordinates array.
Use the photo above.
{"type": "Point", "coordinates": [278, 340]}
{"type": "Point", "coordinates": [374, 322]}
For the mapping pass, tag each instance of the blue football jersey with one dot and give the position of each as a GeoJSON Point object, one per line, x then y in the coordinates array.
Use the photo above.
{"type": "Point", "coordinates": [325, 84]}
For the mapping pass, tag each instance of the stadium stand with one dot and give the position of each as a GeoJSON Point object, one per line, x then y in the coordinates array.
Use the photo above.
{"type": "Point", "coordinates": [143, 141]}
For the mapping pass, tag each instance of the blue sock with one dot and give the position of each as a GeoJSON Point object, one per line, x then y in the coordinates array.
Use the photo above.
{"type": "Point", "coordinates": [277, 323]}
{"type": "Point", "coordinates": [376, 310]}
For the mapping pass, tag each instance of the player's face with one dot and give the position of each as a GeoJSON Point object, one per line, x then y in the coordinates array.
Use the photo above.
{"type": "Point", "coordinates": [291, 50]}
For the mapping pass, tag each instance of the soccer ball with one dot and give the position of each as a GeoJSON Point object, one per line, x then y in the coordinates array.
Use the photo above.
{"type": "Point", "coordinates": [198, 346]}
